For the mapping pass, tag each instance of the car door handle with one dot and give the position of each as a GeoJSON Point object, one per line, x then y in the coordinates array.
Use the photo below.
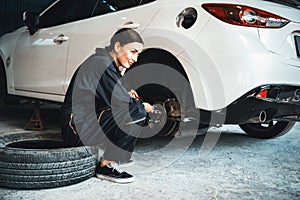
{"type": "Point", "coordinates": [60, 39]}
{"type": "Point", "coordinates": [131, 25]}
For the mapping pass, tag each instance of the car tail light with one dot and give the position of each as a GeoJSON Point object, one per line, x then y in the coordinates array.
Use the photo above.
{"type": "Point", "coordinates": [245, 16]}
{"type": "Point", "coordinates": [262, 94]}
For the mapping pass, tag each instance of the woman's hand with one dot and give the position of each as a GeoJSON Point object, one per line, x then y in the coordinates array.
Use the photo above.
{"type": "Point", "coordinates": [148, 107]}
{"type": "Point", "coordinates": [133, 94]}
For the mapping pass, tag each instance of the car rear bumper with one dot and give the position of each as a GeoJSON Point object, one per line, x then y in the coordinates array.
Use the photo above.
{"type": "Point", "coordinates": [279, 102]}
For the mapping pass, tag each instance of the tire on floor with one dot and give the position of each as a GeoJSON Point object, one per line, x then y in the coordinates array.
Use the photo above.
{"type": "Point", "coordinates": [36, 160]}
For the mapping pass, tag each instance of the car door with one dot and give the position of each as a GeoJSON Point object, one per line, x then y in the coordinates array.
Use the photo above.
{"type": "Point", "coordinates": [40, 59]}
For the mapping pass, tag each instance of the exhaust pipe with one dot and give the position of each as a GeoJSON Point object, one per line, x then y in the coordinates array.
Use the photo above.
{"type": "Point", "coordinates": [262, 117]}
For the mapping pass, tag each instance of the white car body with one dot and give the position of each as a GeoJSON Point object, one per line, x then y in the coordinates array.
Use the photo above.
{"type": "Point", "coordinates": [222, 61]}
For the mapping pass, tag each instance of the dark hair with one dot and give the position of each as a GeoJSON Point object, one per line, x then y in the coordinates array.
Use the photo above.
{"type": "Point", "coordinates": [124, 36]}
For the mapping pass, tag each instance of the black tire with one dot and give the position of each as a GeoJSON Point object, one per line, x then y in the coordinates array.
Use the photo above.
{"type": "Point", "coordinates": [46, 168]}
{"type": "Point", "coordinates": [267, 131]}
{"type": "Point", "coordinates": [35, 160]}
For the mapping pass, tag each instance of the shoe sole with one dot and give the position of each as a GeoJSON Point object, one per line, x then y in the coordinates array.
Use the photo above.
{"type": "Point", "coordinates": [115, 180]}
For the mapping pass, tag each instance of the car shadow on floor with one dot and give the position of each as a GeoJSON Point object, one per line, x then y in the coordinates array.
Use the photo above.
{"type": "Point", "coordinates": [222, 139]}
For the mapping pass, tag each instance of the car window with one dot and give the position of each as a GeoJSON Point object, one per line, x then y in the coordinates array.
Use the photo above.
{"type": "Point", "coordinates": [66, 11]}
{"type": "Point", "coordinates": [107, 6]}
{"type": "Point", "coordinates": [103, 7]}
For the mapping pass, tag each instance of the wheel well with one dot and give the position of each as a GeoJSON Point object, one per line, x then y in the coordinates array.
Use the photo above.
{"type": "Point", "coordinates": [162, 57]}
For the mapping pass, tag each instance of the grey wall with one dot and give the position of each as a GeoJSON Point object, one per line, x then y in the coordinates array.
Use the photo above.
{"type": "Point", "coordinates": [11, 12]}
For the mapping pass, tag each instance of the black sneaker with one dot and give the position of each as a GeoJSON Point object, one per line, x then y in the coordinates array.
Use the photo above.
{"type": "Point", "coordinates": [110, 173]}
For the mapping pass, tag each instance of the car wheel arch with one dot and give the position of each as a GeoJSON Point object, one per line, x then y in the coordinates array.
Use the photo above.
{"type": "Point", "coordinates": [161, 56]}
{"type": "Point", "coordinates": [196, 79]}
{"type": "Point", "coordinates": [158, 93]}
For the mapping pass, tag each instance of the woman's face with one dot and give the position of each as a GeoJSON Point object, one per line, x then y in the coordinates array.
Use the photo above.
{"type": "Point", "coordinates": [128, 53]}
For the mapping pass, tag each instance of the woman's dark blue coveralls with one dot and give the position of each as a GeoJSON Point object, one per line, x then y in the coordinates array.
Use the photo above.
{"type": "Point", "coordinates": [97, 81]}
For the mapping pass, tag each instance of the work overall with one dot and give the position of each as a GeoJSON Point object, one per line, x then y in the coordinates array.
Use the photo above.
{"type": "Point", "coordinates": [99, 111]}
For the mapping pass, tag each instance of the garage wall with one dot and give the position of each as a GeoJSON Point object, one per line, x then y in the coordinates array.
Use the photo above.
{"type": "Point", "coordinates": [11, 12]}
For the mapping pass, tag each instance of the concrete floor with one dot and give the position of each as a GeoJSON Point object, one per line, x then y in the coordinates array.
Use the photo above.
{"type": "Point", "coordinates": [238, 167]}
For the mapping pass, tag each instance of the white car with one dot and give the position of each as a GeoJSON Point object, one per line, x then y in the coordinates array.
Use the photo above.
{"type": "Point", "coordinates": [241, 59]}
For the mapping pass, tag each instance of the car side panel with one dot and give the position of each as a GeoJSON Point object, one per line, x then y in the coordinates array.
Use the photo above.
{"type": "Point", "coordinates": [40, 62]}
{"type": "Point", "coordinates": [232, 63]}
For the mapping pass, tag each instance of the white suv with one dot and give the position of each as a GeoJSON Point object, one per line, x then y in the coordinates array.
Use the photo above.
{"type": "Point", "coordinates": [241, 59]}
